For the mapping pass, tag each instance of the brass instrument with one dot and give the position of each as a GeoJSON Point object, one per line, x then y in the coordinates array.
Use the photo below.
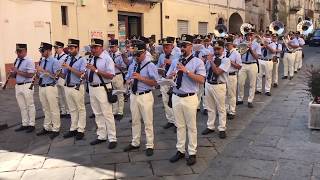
{"type": "Point", "coordinates": [305, 27]}
{"type": "Point", "coordinates": [220, 31]}
{"type": "Point", "coordinates": [246, 28]}
{"type": "Point", "coordinates": [286, 40]}
{"type": "Point", "coordinates": [242, 48]}
{"type": "Point", "coordinates": [276, 27]}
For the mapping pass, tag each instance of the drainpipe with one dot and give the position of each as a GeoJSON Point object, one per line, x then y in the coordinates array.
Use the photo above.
{"type": "Point", "coordinates": [161, 20]}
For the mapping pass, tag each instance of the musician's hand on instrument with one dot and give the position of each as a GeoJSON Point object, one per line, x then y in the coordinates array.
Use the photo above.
{"type": "Point", "coordinates": [182, 68]}
{"type": "Point", "coordinates": [137, 76]}
{"type": "Point", "coordinates": [65, 65]}
{"type": "Point", "coordinates": [167, 61]}
{"type": "Point", "coordinates": [39, 69]}
{"type": "Point", "coordinates": [118, 66]}
{"type": "Point", "coordinates": [91, 67]}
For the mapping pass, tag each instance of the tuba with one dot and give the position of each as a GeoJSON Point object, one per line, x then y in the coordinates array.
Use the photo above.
{"type": "Point", "coordinates": [276, 27]}
{"type": "Point", "coordinates": [246, 28]}
{"type": "Point", "coordinates": [305, 27]}
{"type": "Point", "coordinates": [220, 31]}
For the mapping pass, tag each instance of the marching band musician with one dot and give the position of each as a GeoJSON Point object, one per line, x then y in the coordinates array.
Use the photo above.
{"type": "Point", "coordinates": [216, 89]}
{"type": "Point", "coordinates": [117, 81]}
{"type": "Point", "coordinates": [62, 58]}
{"type": "Point", "coordinates": [23, 71]}
{"type": "Point", "coordinates": [236, 64]}
{"type": "Point", "coordinates": [278, 49]}
{"type": "Point", "coordinates": [143, 76]}
{"type": "Point", "coordinates": [289, 56]}
{"type": "Point", "coordinates": [249, 69]}
{"type": "Point", "coordinates": [165, 60]}
{"type": "Point", "coordinates": [190, 72]}
{"type": "Point", "coordinates": [73, 69]}
{"type": "Point", "coordinates": [100, 73]}
{"type": "Point", "coordinates": [48, 92]}
{"type": "Point", "coordinates": [298, 61]}
{"type": "Point", "coordinates": [266, 65]}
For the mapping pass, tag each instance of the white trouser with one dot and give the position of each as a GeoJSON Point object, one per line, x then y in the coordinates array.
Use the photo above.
{"type": "Point", "coordinates": [231, 94]}
{"type": "Point", "coordinates": [103, 112]}
{"type": "Point", "coordinates": [25, 101]}
{"type": "Point", "coordinates": [165, 98]}
{"type": "Point", "coordinates": [49, 101]}
{"type": "Point", "coordinates": [75, 100]}
{"type": "Point", "coordinates": [201, 95]}
{"type": "Point", "coordinates": [141, 107]}
{"type": "Point", "coordinates": [185, 115]}
{"type": "Point", "coordinates": [275, 72]}
{"type": "Point", "coordinates": [288, 64]}
{"type": "Point", "coordinates": [117, 83]}
{"type": "Point", "coordinates": [250, 71]}
{"type": "Point", "coordinates": [215, 97]}
{"type": "Point", "coordinates": [298, 60]}
{"type": "Point", "coordinates": [266, 68]}
{"type": "Point", "coordinates": [63, 105]}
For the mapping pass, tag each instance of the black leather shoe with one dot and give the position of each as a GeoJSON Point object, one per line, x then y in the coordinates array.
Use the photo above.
{"type": "Point", "coordinates": [168, 125]}
{"type": "Point", "coordinates": [299, 69]}
{"type": "Point", "coordinates": [149, 151]}
{"type": "Point", "coordinates": [295, 72]}
{"type": "Point", "coordinates": [222, 134]}
{"type": "Point", "coordinates": [30, 129]}
{"type": "Point", "coordinates": [230, 116]}
{"type": "Point", "coordinates": [21, 128]}
{"type": "Point", "coordinates": [291, 77]}
{"type": "Point", "coordinates": [97, 141]}
{"type": "Point", "coordinates": [179, 155]}
{"type": "Point", "coordinates": [130, 148]}
{"type": "Point", "coordinates": [79, 135]}
{"type": "Point", "coordinates": [54, 135]}
{"type": "Point", "coordinates": [284, 77]}
{"type": "Point", "coordinates": [205, 112]}
{"type": "Point", "coordinates": [43, 132]}
{"type": "Point", "coordinates": [275, 85]}
{"type": "Point", "coordinates": [112, 145]}
{"type": "Point", "coordinates": [250, 105]}
{"type": "Point", "coordinates": [268, 94]}
{"type": "Point", "coordinates": [207, 131]}
{"type": "Point", "coordinates": [69, 134]}
{"type": "Point", "coordinates": [258, 92]}
{"type": "Point", "coordinates": [191, 160]}
{"type": "Point", "coordinates": [239, 102]}
{"type": "Point", "coordinates": [119, 117]}
{"type": "Point", "coordinates": [92, 116]}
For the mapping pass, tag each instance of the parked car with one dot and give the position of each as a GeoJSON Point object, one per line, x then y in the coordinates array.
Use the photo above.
{"type": "Point", "coordinates": [315, 38]}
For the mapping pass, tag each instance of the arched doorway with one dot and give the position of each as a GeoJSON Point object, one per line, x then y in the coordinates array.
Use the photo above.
{"type": "Point", "coordinates": [235, 21]}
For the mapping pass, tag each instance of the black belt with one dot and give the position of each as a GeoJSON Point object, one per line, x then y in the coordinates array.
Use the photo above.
{"type": "Point", "coordinates": [46, 85]}
{"type": "Point", "coordinates": [71, 85]}
{"type": "Point", "coordinates": [141, 93]}
{"type": "Point", "coordinates": [266, 59]}
{"type": "Point", "coordinates": [23, 83]}
{"type": "Point", "coordinates": [184, 95]}
{"type": "Point", "coordinates": [299, 50]}
{"type": "Point", "coordinates": [249, 62]}
{"type": "Point", "coordinates": [98, 85]}
{"type": "Point", "coordinates": [215, 82]}
{"type": "Point", "coordinates": [232, 73]}
{"type": "Point", "coordinates": [118, 73]}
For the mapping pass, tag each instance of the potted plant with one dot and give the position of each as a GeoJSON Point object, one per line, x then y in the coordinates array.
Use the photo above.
{"type": "Point", "coordinates": [314, 90]}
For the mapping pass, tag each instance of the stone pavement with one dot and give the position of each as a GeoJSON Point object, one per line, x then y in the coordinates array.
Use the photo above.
{"type": "Point", "coordinates": [251, 151]}
{"type": "Point", "coordinates": [277, 144]}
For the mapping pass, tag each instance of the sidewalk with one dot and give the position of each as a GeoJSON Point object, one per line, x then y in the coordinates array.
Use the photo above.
{"type": "Point", "coordinates": [277, 144]}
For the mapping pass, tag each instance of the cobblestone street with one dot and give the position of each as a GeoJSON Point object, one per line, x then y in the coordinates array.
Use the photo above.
{"type": "Point", "coordinates": [270, 141]}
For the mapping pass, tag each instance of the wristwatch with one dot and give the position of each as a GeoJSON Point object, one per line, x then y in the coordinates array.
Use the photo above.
{"type": "Point", "coordinates": [96, 71]}
{"type": "Point", "coordinates": [187, 72]}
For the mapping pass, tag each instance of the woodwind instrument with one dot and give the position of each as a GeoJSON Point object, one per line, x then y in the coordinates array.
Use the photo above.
{"type": "Point", "coordinates": [82, 77]}
{"type": "Point", "coordinates": [7, 80]}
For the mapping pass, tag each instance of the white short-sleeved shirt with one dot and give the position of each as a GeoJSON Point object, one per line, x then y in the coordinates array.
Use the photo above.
{"type": "Point", "coordinates": [236, 58]}
{"type": "Point", "coordinates": [225, 66]}
{"type": "Point", "coordinates": [256, 47]}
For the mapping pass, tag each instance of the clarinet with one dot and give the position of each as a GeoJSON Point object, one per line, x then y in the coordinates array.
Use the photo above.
{"type": "Point", "coordinates": [82, 77]}
{"type": "Point", "coordinates": [34, 77]}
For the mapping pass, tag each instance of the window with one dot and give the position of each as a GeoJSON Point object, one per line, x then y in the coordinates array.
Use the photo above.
{"type": "Point", "coordinates": [182, 27]}
{"type": "Point", "coordinates": [203, 28]}
{"type": "Point", "coordinates": [64, 15]}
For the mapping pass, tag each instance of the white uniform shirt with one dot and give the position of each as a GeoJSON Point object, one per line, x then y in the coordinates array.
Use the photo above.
{"type": "Point", "coordinates": [256, 47]}
{"type": "Point", "coordinates": [301, 42]}
{"type": "Point", "coordinates": [236, 58]}
{"type": "Point", "coordinates": [225, 66]}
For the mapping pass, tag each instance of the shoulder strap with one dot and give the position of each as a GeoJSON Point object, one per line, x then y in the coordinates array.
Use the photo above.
{"type": "Point", "coordinates": [145, 65]}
